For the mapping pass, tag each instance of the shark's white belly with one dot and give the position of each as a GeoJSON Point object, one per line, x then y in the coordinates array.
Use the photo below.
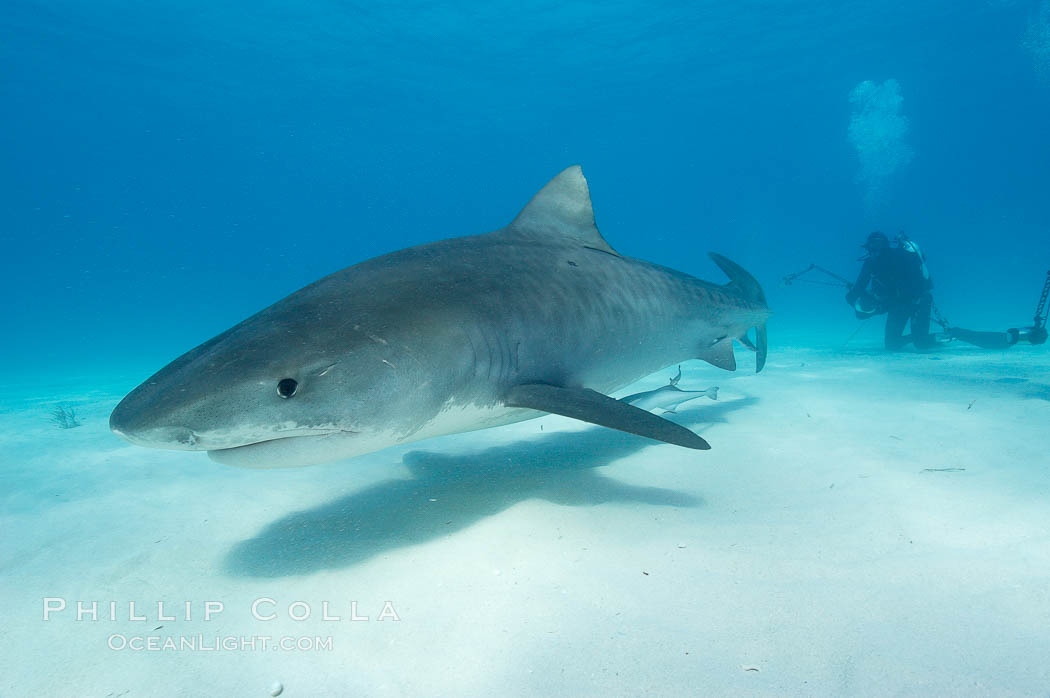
{"type": "Point", "coordinates": [308, 450]}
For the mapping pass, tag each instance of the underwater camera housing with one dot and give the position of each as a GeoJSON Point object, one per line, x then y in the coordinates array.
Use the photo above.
{"type": "Point", "coordinates": [866, 306]}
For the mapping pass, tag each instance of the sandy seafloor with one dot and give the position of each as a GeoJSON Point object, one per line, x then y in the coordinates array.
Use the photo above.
{"type": "Point", "coordinates": [817, 549]}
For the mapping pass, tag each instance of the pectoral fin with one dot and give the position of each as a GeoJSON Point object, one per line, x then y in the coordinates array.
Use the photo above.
{"type": "Point", "coordinates": [591, 406]}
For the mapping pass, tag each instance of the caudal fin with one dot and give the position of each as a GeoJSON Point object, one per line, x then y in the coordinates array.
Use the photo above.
{"type": "Point", "coordinates": [747, 287]}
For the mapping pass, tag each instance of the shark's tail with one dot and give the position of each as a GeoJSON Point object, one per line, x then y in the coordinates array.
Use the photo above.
{"type": "Point", "coordinates": [747, 287]}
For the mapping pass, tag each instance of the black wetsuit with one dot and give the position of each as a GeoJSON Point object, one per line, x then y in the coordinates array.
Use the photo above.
{"type": "Point", "coordinates": [901, 291]}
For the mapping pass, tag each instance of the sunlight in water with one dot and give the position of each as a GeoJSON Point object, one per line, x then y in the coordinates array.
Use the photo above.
{"type": "Point", "coordinates": [877, 130]}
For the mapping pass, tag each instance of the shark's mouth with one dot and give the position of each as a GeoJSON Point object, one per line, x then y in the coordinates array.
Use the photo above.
{"type": "Point", "coordinates": [291, 451]}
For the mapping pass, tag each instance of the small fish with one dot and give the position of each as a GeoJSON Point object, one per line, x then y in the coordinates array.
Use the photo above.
{"type": "Point", "coordinates": [942, 470]}
{"type": "Point", "coordinates": [669, 397]}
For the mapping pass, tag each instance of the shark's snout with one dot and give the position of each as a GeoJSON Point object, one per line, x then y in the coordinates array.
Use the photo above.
{"type": "Point", "coordinates": [138, 427]}
{"type": "Point", "coordinates": [150, 417]}
{"type": "Point", "coordinates": [160, 437]}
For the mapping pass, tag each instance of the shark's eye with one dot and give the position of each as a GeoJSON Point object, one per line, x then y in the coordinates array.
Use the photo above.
{"type": "Point", "coordinates": [286, 387]}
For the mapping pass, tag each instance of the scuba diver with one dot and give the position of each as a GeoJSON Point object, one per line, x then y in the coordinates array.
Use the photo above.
{"type": "Point", "coordinates": [899, 286]}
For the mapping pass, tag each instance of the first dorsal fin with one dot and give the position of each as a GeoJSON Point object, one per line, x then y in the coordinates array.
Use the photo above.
{"type": "Point", "coordinates": [561, 211]}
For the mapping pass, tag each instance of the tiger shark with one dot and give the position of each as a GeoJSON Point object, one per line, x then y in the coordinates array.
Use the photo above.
{"type": "Point", "coordinates": [541, 316]}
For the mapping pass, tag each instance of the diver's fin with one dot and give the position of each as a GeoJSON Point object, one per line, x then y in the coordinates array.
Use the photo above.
{"type": "Point", "coordinates": [985, 340]}
{"type": "Point", "coordinates": [591, 406]}
{"type": "Point", "coordinates": [748, 288]}
{"type": "Point", "coordinates": [561, 211]}
{"type": "Point", "coordinates": [720, 355]}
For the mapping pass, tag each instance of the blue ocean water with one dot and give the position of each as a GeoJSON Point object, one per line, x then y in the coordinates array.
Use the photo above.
{"type": "Point", "coordinates": [169, 169]}
{"type": "Point", "coordinates": [863, 524]}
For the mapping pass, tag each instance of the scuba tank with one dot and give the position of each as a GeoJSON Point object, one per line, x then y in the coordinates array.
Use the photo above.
{"type": "Point", "coordinates": [906, 243]}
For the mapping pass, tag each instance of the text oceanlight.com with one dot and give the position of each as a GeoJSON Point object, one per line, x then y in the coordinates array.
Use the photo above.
{"type": "Point", "coordinates": [218, 643]}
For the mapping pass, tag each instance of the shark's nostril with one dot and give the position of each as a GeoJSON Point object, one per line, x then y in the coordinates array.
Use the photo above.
{"type": "Point", "coordinates": [183, 436]}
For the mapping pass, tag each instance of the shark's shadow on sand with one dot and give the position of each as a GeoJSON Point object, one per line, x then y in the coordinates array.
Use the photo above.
{"type": "Point", "coordinates": [448, 493]}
